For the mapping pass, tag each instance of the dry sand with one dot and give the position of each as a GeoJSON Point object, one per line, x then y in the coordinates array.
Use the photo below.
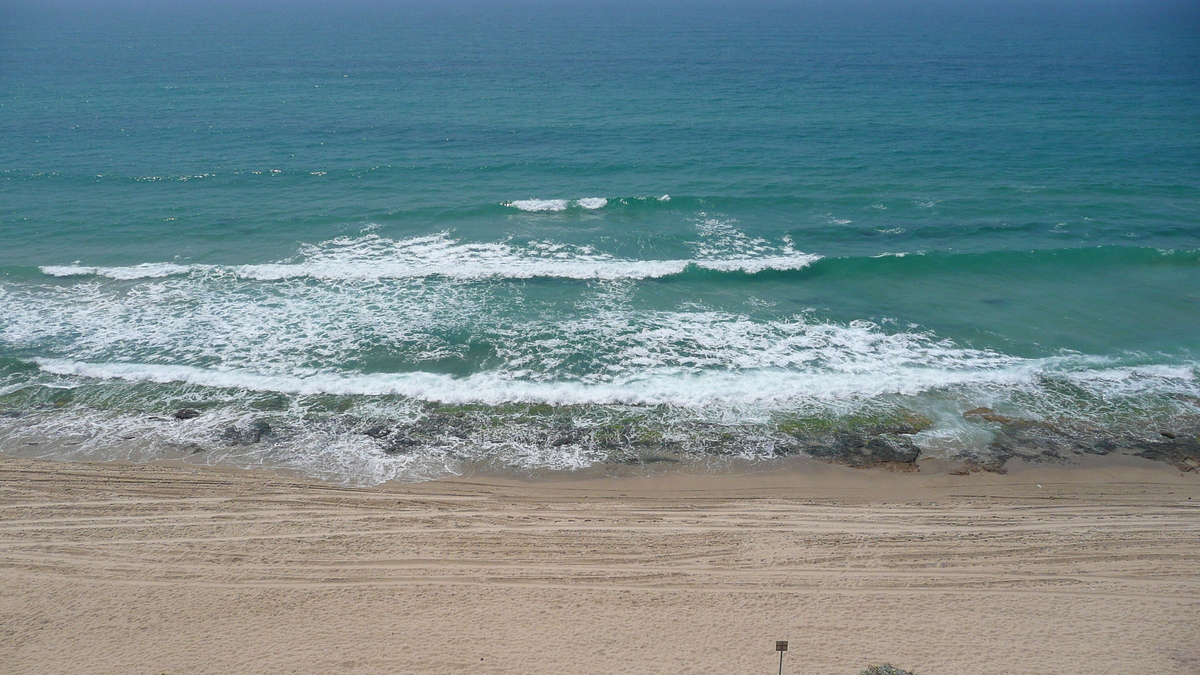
{"type": "Point", "coordinates": [109, 568]}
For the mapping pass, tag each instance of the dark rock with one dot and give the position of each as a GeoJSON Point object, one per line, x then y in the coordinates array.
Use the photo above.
{"type": "Point", "coordinates": [442, 424]}
{"type": "Point", "coordinates": [186, 413]}
{"type": "Point", "coordinates": [259, 430]}
{"type": "Point", "coordinates": [378, 431]}
{"type": "Point", "coordinates": [1102, 446]}
{"type": "Point", "coordinates": [788, 449]}
{"type": "Point", "coordinates": [892, 451]}
{"type": "Point", "coordinates": [255, 432]}
{"type": "Point", "coordinates": [1183, 453]}
{"type": "Point", "coordinates": [562, 431]}
{"type": "Point", "coordinates": [867, 442]}
{"type": "Point", "coordinates": [1187, 398]}
{"type": "Point", "coordinates": [976, 464]}
{"type": "Point", "coordinates": [12, 414]}
{"type": "Point", "coordinates": [401, 444]}
{"type": "Point", "coordinates": [1037, 441]}
{"type": "Point", "coordinates": [1044, 441]}
{"type": "Point", "coordinates": [986, 414]}
{"type": "Point", "coordinates": [907, 424]}
{"type": "Point", "coordinates": [433, 429]}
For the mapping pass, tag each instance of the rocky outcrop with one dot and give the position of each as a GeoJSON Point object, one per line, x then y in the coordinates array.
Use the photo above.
{"type": "Point", "coordinates": [432, 429]}
{"type": "Point", "coordinates": [1179, 451]}
{"type": "Point", "coordinates": [881, 440]}
{"type": "Point", "coordinates": [986, 414]}
{"type": "Point", "coordinates": [892, 451]}
{"type": "Point", "coordinates": [252, 433]}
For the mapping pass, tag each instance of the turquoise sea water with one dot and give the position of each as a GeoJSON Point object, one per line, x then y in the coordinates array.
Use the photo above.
{"type": "Point", "coordinates": [395, 240]}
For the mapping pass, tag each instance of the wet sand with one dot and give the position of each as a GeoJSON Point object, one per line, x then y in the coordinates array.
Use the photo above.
{"type": "Point", "coordinates": [112, 568]}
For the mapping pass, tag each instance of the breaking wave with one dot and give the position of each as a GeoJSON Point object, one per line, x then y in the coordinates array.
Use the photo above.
{"type": "Point", "coordinates": [367, 358]}
{"type": "Point", "coordinates": [374, 257]}
{"type": "Point", "coordinates": [762, 388]}
{"type": "Point", "coordinates": [535, 205]}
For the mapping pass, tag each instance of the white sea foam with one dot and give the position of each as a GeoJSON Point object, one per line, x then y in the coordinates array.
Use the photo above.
{"type": "Point", "coordinates": [725, 248]}
{"type": "Point", "coordinates": [334, 446]}
{"type": "Point", "coordinates": [229, 331]}
{"type": "Point", "coordinates": [314, 449]}
{"type": "Point", "coordinates": [142, 271]}
{"type": "Point", "coordinates": [220, 327]}
{"type": "Point", "coordinates": [535, 205]}
{"type": "Point", "coordinates": [648, 388]}
{"type": "Point", "coordinates": [235, 340]}
{"type": "Point", "coordinates": [696, 358]}
{"type": "Point", "coordinates": [539, 204]}
{"type": "Point", "coordinates": [760, 388]}
{"type": "Point", "coordinates": [373, 257]}
{"type": "Point", "coordinates": [793, 261]}
{"type": "Point", "coordinates": [1107, 380]}
{"type": "Point", "coordinates": [342, 307]}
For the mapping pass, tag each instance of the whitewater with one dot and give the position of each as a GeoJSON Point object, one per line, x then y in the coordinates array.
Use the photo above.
{"type": "Point", "coordinates": [408, 244]}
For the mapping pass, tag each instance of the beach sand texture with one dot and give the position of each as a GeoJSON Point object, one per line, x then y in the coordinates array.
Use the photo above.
{"type": "Point", "coordinates": [109, 568]}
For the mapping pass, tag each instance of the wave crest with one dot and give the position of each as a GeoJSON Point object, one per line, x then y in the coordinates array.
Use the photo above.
{"type": "Point", "coordinates": [538, 205]}
{"type": "Point", "coordinates": [374, 257]}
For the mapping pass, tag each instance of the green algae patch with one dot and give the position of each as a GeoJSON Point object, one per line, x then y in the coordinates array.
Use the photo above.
{"type": "Point", "coordinates": [896, 421]}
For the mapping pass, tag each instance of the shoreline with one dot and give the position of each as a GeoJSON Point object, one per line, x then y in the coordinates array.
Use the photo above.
{"type": "Point", "coordinates": [793, 476]}
{"type": "Point", "coordinates": [176, 568]}
{"type": "Point", "coordinates": [330, 438]}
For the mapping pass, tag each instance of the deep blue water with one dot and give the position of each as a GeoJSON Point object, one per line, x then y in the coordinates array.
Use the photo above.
{"type": "Point", "coordinates": [564, 220]}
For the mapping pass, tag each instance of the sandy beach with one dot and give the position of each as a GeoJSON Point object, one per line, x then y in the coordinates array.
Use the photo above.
{"type": "Point", "coordinates": [113, 568]}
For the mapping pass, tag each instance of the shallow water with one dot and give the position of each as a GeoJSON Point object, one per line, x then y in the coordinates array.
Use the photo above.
{"type": "Point", "coordinates": [386, 240]}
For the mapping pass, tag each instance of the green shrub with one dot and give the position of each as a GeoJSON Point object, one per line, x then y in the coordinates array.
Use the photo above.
{"type": "Point", "coordinates": [886, 669]}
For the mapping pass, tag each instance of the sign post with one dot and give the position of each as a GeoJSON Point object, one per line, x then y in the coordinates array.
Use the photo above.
{"type": "Point", "coordinates": [781, 647]}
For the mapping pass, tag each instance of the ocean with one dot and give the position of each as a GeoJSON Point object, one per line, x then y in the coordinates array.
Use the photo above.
{"type": "Point", "coordinates": [376, 241]}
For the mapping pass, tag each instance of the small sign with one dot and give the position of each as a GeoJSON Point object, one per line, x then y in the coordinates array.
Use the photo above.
{"type": "Point", "coordinates": [781, 645]}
